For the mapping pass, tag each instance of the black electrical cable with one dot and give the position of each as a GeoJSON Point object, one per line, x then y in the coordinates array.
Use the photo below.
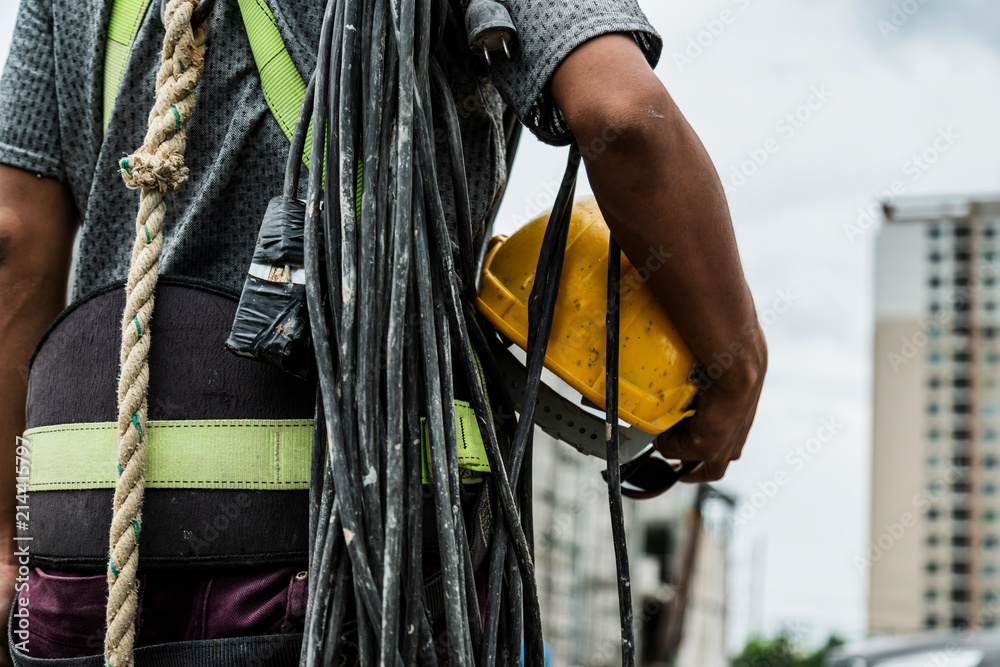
{"type": "Point", "coordinates": [381, 270]}
{"type": "Point", "coordinates": [614, 469]}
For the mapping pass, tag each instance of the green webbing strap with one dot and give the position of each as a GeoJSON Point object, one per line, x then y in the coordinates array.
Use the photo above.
{"type": "Point", "coordinates": [281, 83]}
{"type": "Point", "coordinates": [472, 461]}
{"type": "Point", "coordinates": [193, 454]}
{"type": "Point", "coordinates": [126, 17]}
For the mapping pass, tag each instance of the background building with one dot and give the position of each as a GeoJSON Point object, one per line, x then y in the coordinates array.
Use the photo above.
{"type": "Point", "coordinates": [577, 581]}
{"type": "Point", "coordinates": [934, 558]}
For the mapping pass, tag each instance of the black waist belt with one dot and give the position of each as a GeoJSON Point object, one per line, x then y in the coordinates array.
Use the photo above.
{"type": "Point", "coordinates": [228, 441]}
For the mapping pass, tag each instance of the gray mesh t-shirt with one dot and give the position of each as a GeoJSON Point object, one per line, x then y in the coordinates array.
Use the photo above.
{"type": "Point", "coordinates": [51, 121]}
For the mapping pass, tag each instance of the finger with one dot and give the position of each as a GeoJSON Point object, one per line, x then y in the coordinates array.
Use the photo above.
{"type": "Point", "coordinates": [707, 472]}
{"type": "Point", "coordinates": [678, 443]}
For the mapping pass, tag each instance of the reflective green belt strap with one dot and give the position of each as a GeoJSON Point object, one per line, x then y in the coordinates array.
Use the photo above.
{"type": "Point", "coordinates": [195, 454]}
{"type": "Point", "coordinates": [126, 17]}
{"type": "Point", "coordinates": [280, 81]}
{"type": "Point", "coordinates": [472, 461]}
{"type": "Point", "coordinates": [208, 454]}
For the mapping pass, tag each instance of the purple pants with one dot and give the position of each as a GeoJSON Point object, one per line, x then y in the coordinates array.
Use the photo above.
{"type": "Point", "coordinates": [67, 610]}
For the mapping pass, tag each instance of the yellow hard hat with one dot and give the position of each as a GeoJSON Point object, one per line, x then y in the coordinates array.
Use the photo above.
{"type": "Point", "coordinates": [655, 365]}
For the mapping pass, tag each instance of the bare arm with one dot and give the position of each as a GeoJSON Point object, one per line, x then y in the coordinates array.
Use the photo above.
{"type": "Point", "coordinates": [659, 191]}
{"type": "Point", "coordinates": [37, 224]}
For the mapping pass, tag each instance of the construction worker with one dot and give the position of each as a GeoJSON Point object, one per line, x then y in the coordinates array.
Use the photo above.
{"type": "Point", "coordinates": [582, 72]}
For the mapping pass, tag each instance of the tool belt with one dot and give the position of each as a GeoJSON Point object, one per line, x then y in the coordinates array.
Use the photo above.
{"type": "Point", "coordinates": [227, 469]}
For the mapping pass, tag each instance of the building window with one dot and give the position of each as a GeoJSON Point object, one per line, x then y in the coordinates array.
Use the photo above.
{"type": "Point", "coordinates": [962, 256]}
{"type": "Point", "coordinates": [989, 542]}
{"type": "Point", "coordinates": [989, 435]}
{"type": "Point", "coordinates": [933, 408]}
{"type": "Point", "coordinates": [961, 434]}
{"type": "Point", "coordinates": [932, 567]}
{"type": "Point", "coordinates": [959, 595]}
{"type": "Point", "coordinates": [989, 570]}
{"type": "Point", "coordinates": [931, 622]}
{"type": "Point", "coordinates": [960, 408]}
{"type": "Point", "coordinates": [961, 356]}
{"type": "Point", "coordinates": [989, 462]}
{"type": "Point", "coordinates": [961, 382]}
{"type": "Point", "coordinates": [933, 461]}
{"type": "Point", "coordinates": [989, 232]}
{"type": "Point", "coordinates": [958, 622]}
{"type": "Point", "coordinates": [989, 332]}
{"type": "Point", "coordinates": [934, 281]}
{"type": "Point", "coordinates": [959, 567]}
{"type": "Point", "coordinates": [989, 489]}
{"type": "Point", "coordinates": [989, 409]}
{"type": "Point", "coordinates": [988, 516]}
{"type": "Point", "coordinates": [934, 231]}
{"type": "Point", "coordinates": [933, 514]}
{"type": "Point", "coordinates": [959, 541]}
{"type": "Point", "coordinates": [934, 257]}
{"type": "Point", "coordinates": [991, 357]}
{"type": "Point", "coordinates": [960, 514]}
{"type": "Point", "coordinates": [961, 487]}
{"type": "Point", "coordinates": [933, 434]}
{"type": "Point", "coordinates": [990, 281]}
{"type": "Point", "coordinates": [934, 356]}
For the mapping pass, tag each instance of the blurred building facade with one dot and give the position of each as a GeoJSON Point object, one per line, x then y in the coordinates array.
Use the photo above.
{"type": "Point", "coordinates": [576, 575]}
{"type": "Point", "coordinates": [934, 551]}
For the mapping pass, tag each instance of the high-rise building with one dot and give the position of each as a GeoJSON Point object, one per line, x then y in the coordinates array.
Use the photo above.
{"type": "Point", "coordinates": [934, 556]}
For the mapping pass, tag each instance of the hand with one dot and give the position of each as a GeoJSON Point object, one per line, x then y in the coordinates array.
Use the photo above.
{"type": "Point", "coordinates": [724, 411]}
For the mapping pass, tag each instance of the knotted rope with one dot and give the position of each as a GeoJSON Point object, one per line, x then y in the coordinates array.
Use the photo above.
{"type": "Point", "coordinates": [157, 169]}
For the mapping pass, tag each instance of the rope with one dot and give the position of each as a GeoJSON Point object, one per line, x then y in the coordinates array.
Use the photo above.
{"type": "Point", "coordinates": [156, 169]}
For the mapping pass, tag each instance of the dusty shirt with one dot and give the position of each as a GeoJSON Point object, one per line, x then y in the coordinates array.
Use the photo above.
{"type": "Point", "coordinates": [51, 121]}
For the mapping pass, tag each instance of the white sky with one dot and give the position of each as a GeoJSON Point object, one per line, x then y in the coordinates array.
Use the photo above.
{"type": "Point", "coordinates": [890, 95]}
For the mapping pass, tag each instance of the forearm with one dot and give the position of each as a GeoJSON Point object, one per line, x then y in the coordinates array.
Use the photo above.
{"type": "Point", "coordinates": [665, 206]}
{"type": "Point", "coordinates": [661, 197]}
{"type": "Point", "coordinates": [37, 222]}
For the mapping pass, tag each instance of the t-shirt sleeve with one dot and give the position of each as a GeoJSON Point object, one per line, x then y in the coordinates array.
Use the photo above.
{"type": "Point", "coordinates": [29, 116]}
{"type": "Point", "coordinates": [547, 32]}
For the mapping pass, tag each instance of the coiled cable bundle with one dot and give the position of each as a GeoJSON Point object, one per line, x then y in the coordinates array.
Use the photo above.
{"type": "Point", "coordinates": [389, 297]}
